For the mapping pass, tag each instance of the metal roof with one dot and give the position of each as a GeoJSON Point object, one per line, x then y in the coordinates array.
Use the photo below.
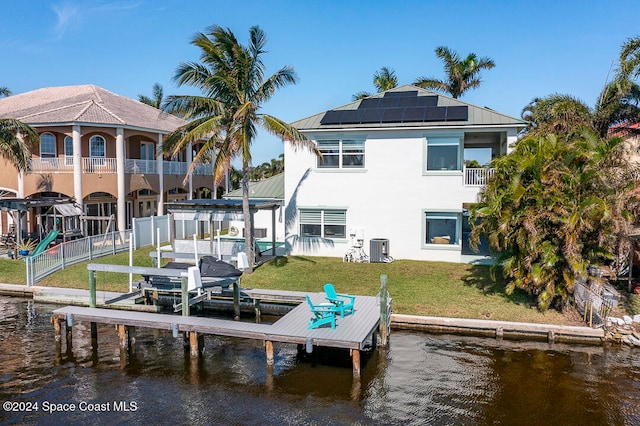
{"type": "Point", "coordinates": [476, 116]}
{"type": "Point", "coordinates": [204, 204]}
{"type": "Point", "coordinates": [270, 188]}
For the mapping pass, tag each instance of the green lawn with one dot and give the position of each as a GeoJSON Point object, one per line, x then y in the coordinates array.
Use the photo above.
{"type": "Point", "coordinates": [418, 288]}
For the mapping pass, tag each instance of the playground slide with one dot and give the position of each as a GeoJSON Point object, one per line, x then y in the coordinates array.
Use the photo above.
{"type": "Point", "coordinates": [42, 246]}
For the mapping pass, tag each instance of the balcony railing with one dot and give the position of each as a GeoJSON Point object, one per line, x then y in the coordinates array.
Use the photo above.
{"type": "Point", "coordinates": [108, 165]}
{"type": "Point", "coordinates": [477, 176]}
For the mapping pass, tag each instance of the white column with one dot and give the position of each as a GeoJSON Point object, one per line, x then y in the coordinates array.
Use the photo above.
{"type": "Point", "coordinates": [122, 211]}
{"type": "Point", "coordinates": [20, 184]}
{"type": "Point", "coordinates": [77, 165]}
{"type": "Point", "coordinates": [512, 137]}
{"type": "Point", "coordinates": [160, 161]}
{"type": "Point", "coordinates": [189, 161]}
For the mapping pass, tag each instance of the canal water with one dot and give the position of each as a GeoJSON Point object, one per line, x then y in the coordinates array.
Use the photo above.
{"type": "Point", "coordinates": [420, 379]}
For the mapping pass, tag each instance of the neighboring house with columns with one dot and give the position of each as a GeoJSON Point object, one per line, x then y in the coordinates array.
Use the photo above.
{"type": "Point", "coordinates": [101, 149]}
{"type": "Point", "coordinates": [395, 174]}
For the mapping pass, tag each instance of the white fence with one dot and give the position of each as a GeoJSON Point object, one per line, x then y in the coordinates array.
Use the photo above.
{"type": "Point", "coordinates": [145, 230]}
{"type": "Point", "coordinates": [76, 251]}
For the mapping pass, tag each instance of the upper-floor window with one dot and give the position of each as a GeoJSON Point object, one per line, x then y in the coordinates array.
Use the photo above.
{"type": "Point", "coordinates": [341, 153]}
{"type": "Point", "coordinates": [68, 150]}
{"type": "Point", "coordinates": [325, 223]}
{"type": "Point", "coordinates": [444, 153]}
{"type": "Point", "coordinates": [146, 151]}
{"type": "Point", "coordinates": [47, 145]}
{"type": "Point", "coordinates": [97, 147]}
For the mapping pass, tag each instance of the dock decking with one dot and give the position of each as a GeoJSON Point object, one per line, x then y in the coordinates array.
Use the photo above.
{"type": "Point", "coordinates": [352, 332]}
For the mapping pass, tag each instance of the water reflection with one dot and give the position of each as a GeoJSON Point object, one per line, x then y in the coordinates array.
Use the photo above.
{"type": "Point", "coordinates": [420, 379]}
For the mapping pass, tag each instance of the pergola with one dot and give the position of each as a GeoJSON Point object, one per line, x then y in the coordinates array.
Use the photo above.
{"type": "Point", "coordinates": [212, 210]}
{"type": "Point", "coordinates": [16, 207]}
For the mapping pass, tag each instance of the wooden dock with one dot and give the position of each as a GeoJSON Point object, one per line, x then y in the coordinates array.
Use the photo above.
{"type": "Point", "coordinates": [352, 332]}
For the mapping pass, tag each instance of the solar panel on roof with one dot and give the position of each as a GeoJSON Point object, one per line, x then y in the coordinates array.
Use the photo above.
{"type": "Point", "coordinates": [414, 114]}
{"type": "Point", "coordinates": [408, 102]}
{"type": "Point", "coordinates": [388, 102]}
{"type": "Point", "coordinates": [368, 103]}
{"type": "Point", "coordinates": [373, 115]}
{"type": "Point", "coordinates": [428, 101]}
{"type": "Point", "coordinates": [401, 94]}
{"type": "Point", "coordinates": [331, 117]}
{"type": "Point", "coordinates": [435, 113]}
{"type": "Point", "coordinates": [457, 113]}
{"type": "Point", "coordinates": [392, 115]}
{"type": "Point", "coordinates": [351, 116]}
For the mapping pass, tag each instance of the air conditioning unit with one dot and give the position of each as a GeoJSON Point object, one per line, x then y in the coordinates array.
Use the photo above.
{"type": "Point", "coordinates": [378, 250]}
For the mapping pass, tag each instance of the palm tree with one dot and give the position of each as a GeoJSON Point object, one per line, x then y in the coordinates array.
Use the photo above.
{"type": "Point", "coordinates": [385, 79]}
{"type": "Point", "coordinates": [16, 138]}
{"type": "Point", "coordinates": [553, 207]}
{"type": "Point", "coordinates": [158, 97]}
{"type": "Point", "coordinates": [617, 106]}
{"type": "Point", "coordinates": [462, 74]}
{"type": "Point", "coordinates": [226, 117]}
{"type": "Point", "coordinates": [630, 58]}
{"type": "Point", "coordinates": [4, 91]}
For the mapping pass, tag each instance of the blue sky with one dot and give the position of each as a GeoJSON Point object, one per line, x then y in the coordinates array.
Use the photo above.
{"type": "Point", "coordinates": [539, 48]}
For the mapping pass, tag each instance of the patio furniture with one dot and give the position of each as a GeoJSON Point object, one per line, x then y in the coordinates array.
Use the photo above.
{"type": "Point", "coordinates": [342, 302]}
{"type": "Point", "coordinates": [323, 313]}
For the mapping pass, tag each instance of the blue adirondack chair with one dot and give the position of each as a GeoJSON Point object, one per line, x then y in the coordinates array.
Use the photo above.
{"type": "Point", "coordinates": [343, 302]}
{"type": "Point", "coordinates": [323, 313]}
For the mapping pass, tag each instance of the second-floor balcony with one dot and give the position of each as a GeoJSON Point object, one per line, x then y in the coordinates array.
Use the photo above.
{"type": "Point", "coordinates": [108, 165]}
{"type": "Point", "coordinates": [477, 176]}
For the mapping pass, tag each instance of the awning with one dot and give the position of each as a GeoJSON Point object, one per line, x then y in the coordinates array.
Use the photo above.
{"type": "Point", "coordinates": [67, 210]}
{"type": "Point", "coordinates": [226, 216]}
{"type": "Point", "coordinates": [200, 216]}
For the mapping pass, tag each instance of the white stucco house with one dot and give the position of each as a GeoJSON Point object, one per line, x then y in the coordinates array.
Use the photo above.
{"type": "Point", "coordinates": [393, 171]}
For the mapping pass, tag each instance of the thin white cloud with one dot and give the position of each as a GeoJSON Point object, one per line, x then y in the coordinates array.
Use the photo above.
{"type": "Point", "coordinates": [66, 15]}
{"type": "Point", "coordinates": [69, 14]}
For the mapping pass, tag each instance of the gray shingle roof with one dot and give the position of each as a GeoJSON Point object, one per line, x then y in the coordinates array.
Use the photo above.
{"type": "Point", "coordinates": [477, 116]}
{"type": "Point", "coordinates": [85, 104]}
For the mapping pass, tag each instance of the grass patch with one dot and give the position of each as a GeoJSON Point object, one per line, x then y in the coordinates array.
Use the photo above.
{"type": "Point", "coordinates": [417, 287]}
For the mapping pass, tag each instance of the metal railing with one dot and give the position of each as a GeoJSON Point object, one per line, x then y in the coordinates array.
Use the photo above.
{"type": "Point", "coordinates": [477, 176]}
{"type": "Point", "coordinates": [76, 251]}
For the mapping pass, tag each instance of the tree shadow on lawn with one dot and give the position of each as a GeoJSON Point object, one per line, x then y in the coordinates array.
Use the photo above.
{"type": "Point", "coordinates": [479, 276]}
{"type": "Point", "coordinates": [281, 261]}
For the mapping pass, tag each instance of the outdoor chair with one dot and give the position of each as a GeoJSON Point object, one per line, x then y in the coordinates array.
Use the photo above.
{"type": "Point", "coordinates": [323, 313]}
{"type": "Point", "coordinates": [342, 302]}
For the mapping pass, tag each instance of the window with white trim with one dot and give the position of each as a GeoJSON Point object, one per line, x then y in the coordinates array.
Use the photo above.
{"type": "Point", "coordinates": [97, 147]}
{"type": "Point", "coordinates": [341, 153]}
{"type": "Point", "coordinates": [441, 228]}
{"type": "Point", "coordinates": [325, 223]}
{"type": "Point", "coordinates": [444, 153]}
{"type": "Point", "coordinates": [68, 151]}
{"type": "Point", "coordinates": [47, 145]}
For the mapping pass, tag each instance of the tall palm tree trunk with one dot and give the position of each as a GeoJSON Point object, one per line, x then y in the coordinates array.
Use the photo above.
{"type": "Point", "coordinates": [247, 217]}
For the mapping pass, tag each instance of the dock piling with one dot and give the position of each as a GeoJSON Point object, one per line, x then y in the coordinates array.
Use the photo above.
{"type": "Point", "coordinates": [269, 349]}
{"type": "Point", "coordinates": [384, 312]}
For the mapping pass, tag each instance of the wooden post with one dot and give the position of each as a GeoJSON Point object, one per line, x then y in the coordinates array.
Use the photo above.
{"type": "Point", "coordinates": [56, 329]}
{"type": "Point", "coordinates": [256, 307]}
{"type": "Point", "coordinates": [131, 339]}
{"type": "Point", "coordinates": [69, 337]}
{"type": "Point", "coordinates": [92, 289]}
{"type": "Point", "coordinates": [122, 336]}
{"type": "Point", "coordinates": [236, 301]}
{"type": "Point", "coordinates": [94, 336]}
{"type": "Point", "coordinates": [268, 345]}
{"type": "Point", "coordinates": [384, 320]}
{"type": "Point", "coordinates": [193, 344]}
{"type": "Point", "coordinates": [355, 358]}
{"type": "Point", "coordinates": [185, 298]}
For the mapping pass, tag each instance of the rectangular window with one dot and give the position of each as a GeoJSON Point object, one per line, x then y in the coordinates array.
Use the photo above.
{"type": "Point", "coordinates": [336, 154]}
{"type": "Point", "coordinates": [325, 223]}
{"type": "Point", "coordinates": [443, 153]}
{"type": "Point", "coordinates": [441, 228]}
